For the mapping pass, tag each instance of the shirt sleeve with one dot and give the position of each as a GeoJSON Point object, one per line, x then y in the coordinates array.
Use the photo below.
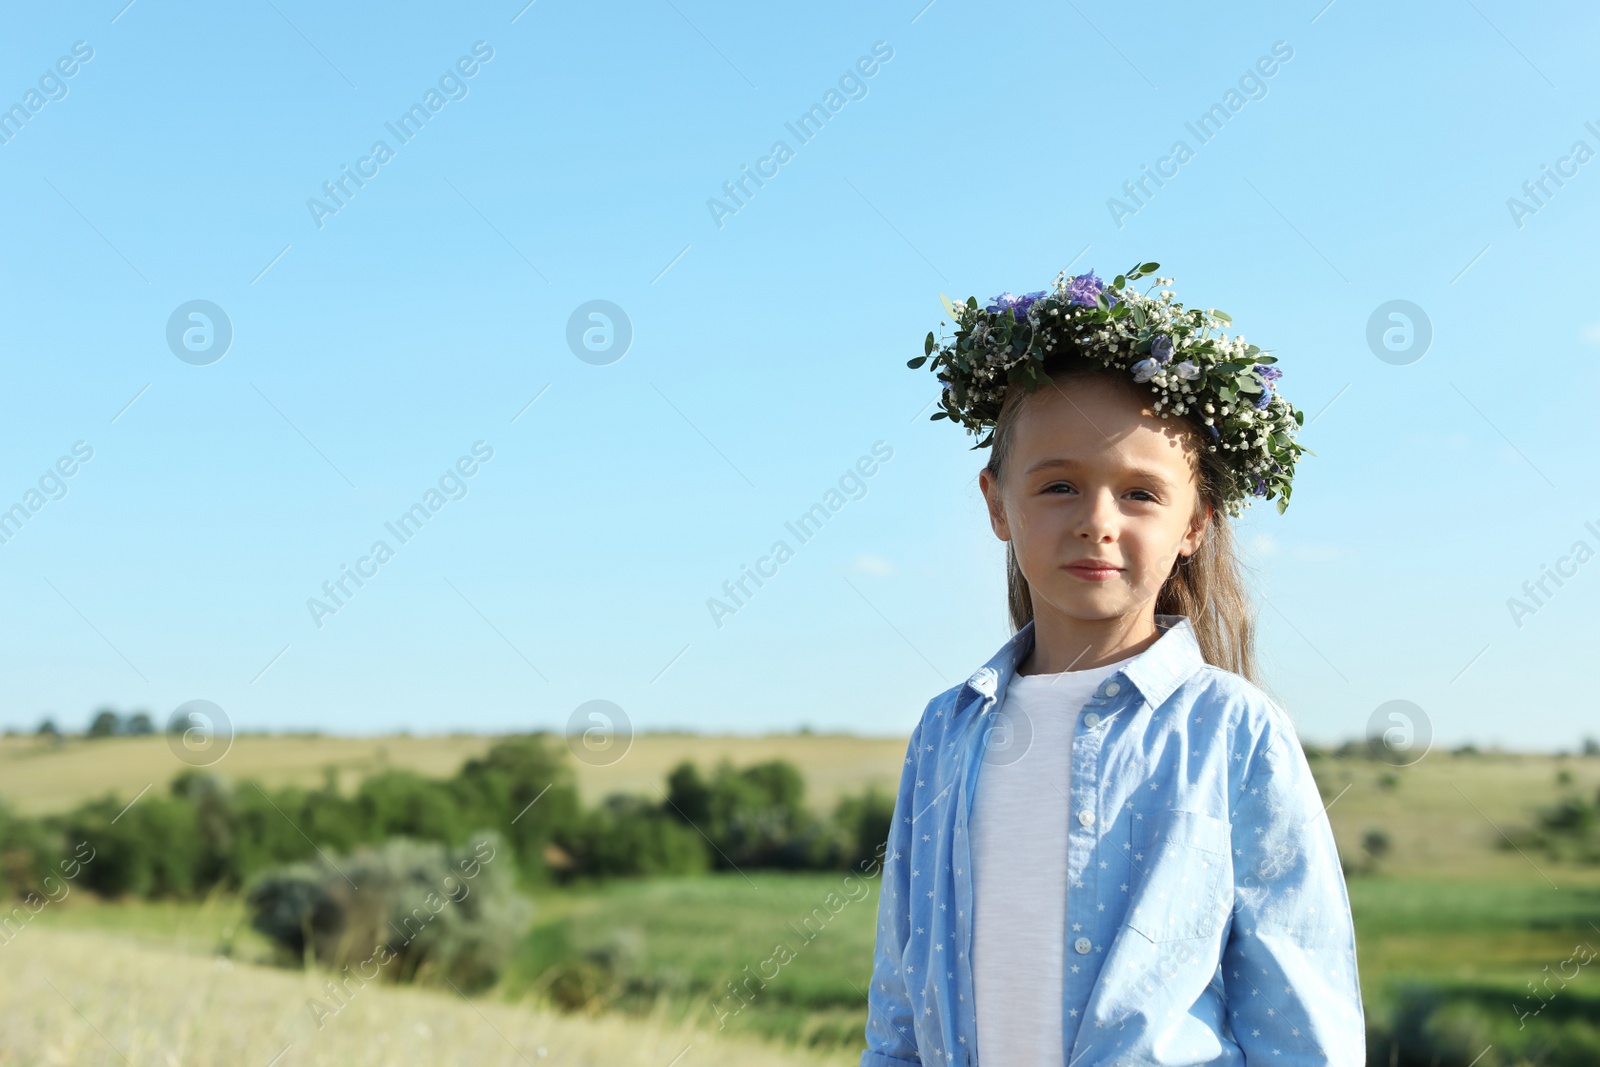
{"type": "Point", "coordinates": [891, 1029]}
{"type": "Point", "coordinates": [1289, 966]}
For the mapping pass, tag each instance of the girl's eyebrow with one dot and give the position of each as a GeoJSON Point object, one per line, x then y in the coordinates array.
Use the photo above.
{"type": "Point", "coordinates": [1133, 472]}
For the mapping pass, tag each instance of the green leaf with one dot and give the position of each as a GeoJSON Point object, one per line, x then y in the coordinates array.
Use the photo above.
{"type": "Point", "coordinates": [1221, 315]}
{"type": "Point", "coordinates": [938, 415]}
{"type": "Point", "coordinates": [1118, 282]}
{"type": "Point", "coordinates": [1148, 268]}
{"type": "Point", "coordinates": [1247, 383]}
{"type": "Point", "coordinates": [972, 303]}
{"type": "Point", "coordinates": [949, 309]}
{"type": "Point", "coordinates": [915, 363]}
{"type": "Point", "coordinates": [927, 346]}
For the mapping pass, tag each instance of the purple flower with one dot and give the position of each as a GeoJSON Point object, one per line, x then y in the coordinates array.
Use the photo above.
{"type": "Point", "coordinates": [1212, 430]}
{"type": "Point", "coordinates": [1161, 349]}
{"type": "Point", "coordinates": [1025, 301]}
{"type": "Point", "coordinates": [1259, 488]}
{"type": "Point", "coordinates": [1144, 370]}
{"type": "Point", "coordinates": [1018, 304]}
{"type": "Point", "coordinates": [1084, 288]}
{"type": "Point", "coordinates": [1266, 374]}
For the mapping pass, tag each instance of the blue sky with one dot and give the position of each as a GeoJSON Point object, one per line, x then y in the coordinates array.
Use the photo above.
{"type": "Point", "coordinates": [372, 348]}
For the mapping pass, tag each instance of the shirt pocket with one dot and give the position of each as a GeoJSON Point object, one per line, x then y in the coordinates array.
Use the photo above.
{"type": "Point", "coordinates": [1181, 874]}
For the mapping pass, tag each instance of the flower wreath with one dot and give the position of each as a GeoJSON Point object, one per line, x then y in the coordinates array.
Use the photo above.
{"type": "Point", "coordinates": [1230, 386]}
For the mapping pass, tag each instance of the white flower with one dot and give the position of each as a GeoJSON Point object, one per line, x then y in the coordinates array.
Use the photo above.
{"type": "Point", "coordinates": [1187, 370]}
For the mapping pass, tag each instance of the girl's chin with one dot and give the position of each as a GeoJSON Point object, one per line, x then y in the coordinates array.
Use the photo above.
{"type": "Point", "coordinates": [1089, 607]}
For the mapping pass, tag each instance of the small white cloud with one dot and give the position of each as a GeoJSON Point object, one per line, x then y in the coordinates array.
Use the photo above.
{"type": "Point", "coordinates": [876, 566]}
{"type": "Point", "coordinates": [1591, 333]}
{"type": "Point", "coordinates": [1317, 553]}
{"type": "Point", "coordinates": [1263, 545]}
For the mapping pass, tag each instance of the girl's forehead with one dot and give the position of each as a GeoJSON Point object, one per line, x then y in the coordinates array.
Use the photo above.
{"type": "Point", "coordinates": [1094, 423]}
{"type": "Point", "coordinates": [1104, 431]}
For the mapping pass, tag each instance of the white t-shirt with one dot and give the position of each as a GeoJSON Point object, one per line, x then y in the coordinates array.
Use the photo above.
{"type": "Point", "coordinates": [1019, 867]}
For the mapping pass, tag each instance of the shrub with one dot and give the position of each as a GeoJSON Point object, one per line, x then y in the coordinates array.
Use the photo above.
{"type": "Point", "coordinates": [24, 855]}
{"type": "Point", "coordinates": [864, 822]}
{"type": "Point", "coordinates": [754, 817]}
{"type": "Point", "coordinates": [408, 910]}
{"type": "Point", "coordinates": [628, 835]}
{"type": "Point", "coordinates": [522, 788]}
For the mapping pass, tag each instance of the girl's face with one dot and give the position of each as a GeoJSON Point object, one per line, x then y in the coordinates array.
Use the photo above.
{"type": "Point", "coordinates": [1097, 498]}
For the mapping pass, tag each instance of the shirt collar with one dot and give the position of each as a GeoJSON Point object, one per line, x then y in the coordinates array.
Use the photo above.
{"type": "Point", "coordinates": [1156, 672]}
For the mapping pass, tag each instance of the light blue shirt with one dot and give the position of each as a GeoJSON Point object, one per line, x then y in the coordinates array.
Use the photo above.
{"type": "Point", "coordinates": [1207, 916]}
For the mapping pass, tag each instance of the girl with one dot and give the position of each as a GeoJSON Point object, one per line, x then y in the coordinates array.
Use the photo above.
{"type": "Point", "coordinates": [1107, 845]}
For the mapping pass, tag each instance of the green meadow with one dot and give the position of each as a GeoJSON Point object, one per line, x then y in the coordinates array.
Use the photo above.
{"type": "Point", "coordinates": [1475, 921]}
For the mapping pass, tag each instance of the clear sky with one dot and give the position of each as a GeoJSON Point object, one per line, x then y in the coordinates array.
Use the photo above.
{"type": "Point", "coordinates": [571, 153]}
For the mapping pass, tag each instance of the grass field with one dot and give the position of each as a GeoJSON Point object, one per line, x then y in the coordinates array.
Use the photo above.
{"type": "Point", "coordinates": [668, 948]}
{"type": "Point", "coordinates": [93, 998]}
{"type": "Point", "coordinates": [38, 776]}
{"type": "Point", "coordinates": [645, 964]}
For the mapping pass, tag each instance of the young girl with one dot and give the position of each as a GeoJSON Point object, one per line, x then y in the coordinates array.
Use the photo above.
{"type": "Point", "coordinates": [1107, 845]}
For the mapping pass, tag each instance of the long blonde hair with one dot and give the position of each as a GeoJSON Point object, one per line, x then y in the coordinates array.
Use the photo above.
{"type": "Point", "coordinates": [1208, 587]}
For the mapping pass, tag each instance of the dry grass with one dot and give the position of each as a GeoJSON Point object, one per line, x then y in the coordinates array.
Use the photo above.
{"type": "Point", "coordinates": [37, 777]}
{"type": "Point", "coordinates": [1445, 813]}
{"type": "Point", "coordinates": [90, 999]}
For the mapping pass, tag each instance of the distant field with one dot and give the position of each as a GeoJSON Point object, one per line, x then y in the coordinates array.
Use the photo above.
{"type": "Point", "coordinates": [37, 777]}
{"type": "Point", "coordinates": [1442, 814]}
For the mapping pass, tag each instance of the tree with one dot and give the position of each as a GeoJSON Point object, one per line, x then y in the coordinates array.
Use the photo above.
{"type": "Point", "coordinates": [139, 724]}
{"type": "Point", "coordinates": [106, 723]}
{"type": "Point", "coordinates": [47, 728]}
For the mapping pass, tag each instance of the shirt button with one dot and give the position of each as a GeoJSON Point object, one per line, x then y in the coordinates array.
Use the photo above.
{"type": "Point", "coordinates": [1112, 689]}
{"type": "Point", "coordinates": [1082, 945]}
{"type": "Point", "coordinates": [1091, 720]}
{"type": "Point", "coordinates": [1086, 817]}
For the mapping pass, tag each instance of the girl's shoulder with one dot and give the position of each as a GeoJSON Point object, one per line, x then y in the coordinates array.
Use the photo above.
{"type": "Point", "coordinates": [940, 711]}
{"type": "Point", "coordinates": [1234, 704]}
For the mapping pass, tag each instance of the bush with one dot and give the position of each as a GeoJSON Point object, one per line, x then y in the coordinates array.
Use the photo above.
{"type": "Point", "coordinates": [753, 817]}
{"type": "Point", "coordinates": [150, 848]}
{"type": "Point", "coordinates": [628, 835]}
{"type": "Point", "coordinates": [864, 822]}
{"type": "Point", "coordinates": [1458, 1025]}
{"type": "Point", "coordinates": [24, 855]}
{"type": "Point", "coordinates": [521, 787]}
{"type": "Point", "coordinates": [409, 911]}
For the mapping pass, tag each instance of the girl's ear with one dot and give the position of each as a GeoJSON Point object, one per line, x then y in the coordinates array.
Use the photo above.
{"type": "Point", "coordinates": [991, 496]}
{"type": "Point", "coordinates": [1197, 530]}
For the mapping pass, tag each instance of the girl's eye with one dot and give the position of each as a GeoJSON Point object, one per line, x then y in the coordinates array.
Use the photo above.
{"type": "Point", "coordinates": [1143, 494]}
